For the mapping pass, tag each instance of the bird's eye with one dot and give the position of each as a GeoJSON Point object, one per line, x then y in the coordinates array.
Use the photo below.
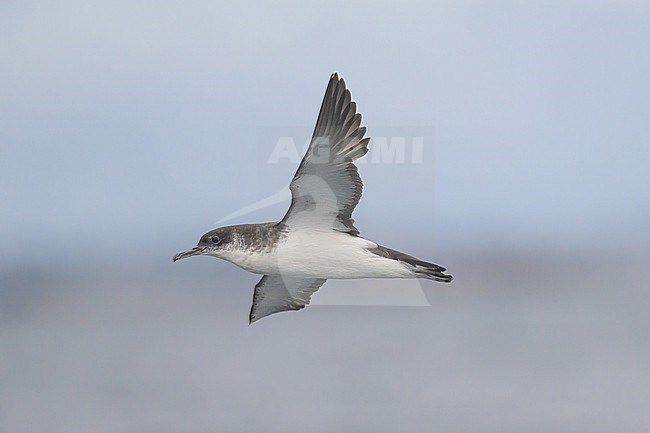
{"type": "Point", "coordinates": [215, 239]}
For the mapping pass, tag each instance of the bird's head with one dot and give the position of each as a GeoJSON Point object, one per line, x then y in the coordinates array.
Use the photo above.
{"type": "Point", "coordinates": [213, 243]}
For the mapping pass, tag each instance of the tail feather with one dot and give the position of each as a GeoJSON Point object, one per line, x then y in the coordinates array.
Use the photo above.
{"type": "Point", "coordinates": [433, 273]}
{"type": "Point", "coordinates": [422, 269]}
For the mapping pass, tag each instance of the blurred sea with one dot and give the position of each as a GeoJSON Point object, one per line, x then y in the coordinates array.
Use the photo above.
{"type": "Point", "coordinates": [540, 342]}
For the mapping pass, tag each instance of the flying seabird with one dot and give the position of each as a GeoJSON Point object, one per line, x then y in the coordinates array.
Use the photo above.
{"type": "Point", "coordinates": [316, 240]}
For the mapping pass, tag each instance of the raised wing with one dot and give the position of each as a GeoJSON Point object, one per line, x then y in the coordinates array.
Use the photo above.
{"type": "Point", "coordinates": [327, 186]}
{"type": "Point", "coordinates": [275, 293]}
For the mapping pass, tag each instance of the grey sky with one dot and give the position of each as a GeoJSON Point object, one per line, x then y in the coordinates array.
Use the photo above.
{"type": "Point", "coordinates": [127, 129]}
{"type": "Point", "coordinates": [136, 117]}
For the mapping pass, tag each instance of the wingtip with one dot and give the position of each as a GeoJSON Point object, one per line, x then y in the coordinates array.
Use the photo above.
{"type": "Point", "coordinates": [336, 78]}
{"type": "Point", "coordinates": [252, 319]}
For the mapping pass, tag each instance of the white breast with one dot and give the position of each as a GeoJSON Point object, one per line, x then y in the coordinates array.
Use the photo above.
{"type": "Point", "coordinates": [257, 263]}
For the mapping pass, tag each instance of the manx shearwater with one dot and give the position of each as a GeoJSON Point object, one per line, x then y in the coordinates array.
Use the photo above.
{"type": "Point", "coordinates": [317, 239]}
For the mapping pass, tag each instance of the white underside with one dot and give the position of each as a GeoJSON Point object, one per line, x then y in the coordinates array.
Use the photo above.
{"type": "Point", "coordinates": [321, 254]}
